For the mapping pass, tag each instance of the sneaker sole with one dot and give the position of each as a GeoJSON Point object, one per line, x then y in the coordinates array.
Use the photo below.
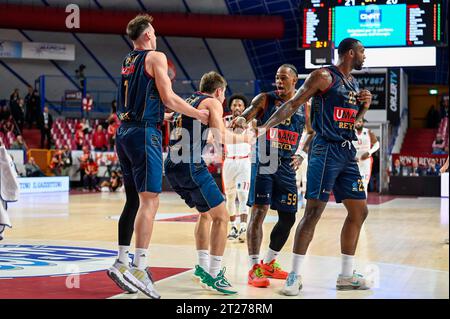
{"type": "Point", "coordinates": [120, 283]}
{"type": "Point", "coordinates": [250, 283]}
{"type": "Point", "coordinates": [132, 280]}
{"type": "Point", "coordinates": [350, 287]}
{"type": "Point", "coordinates": [291, 294]}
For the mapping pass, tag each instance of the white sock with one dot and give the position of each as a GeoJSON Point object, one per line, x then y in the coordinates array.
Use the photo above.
{"type": "Point", "coordinates": [297, 262]}
{"type": "Point", "coordinates": [122, 254]}
{"type": "Point", "coordinates": [140, 258]}
{"type": "Point", "coordinates": [233, 223]}
{"type": "Point", "coordinates": [347, 265]}
{"type": "Point", "coordinates": [253, 260]}
{"type": "Point", "coordinates": [271, 255]}
{"type": "Point", "coordinates": [214, 265]}
{"type": "Point", "coordinates": [203, 259]}
{"type": "Point", "coordinates": [243, 225]}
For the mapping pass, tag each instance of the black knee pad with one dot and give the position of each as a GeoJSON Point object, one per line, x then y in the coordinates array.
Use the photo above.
{"type": "Point", "coordinates": [282, 229]}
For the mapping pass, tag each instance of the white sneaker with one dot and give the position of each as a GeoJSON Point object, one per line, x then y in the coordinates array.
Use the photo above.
{"type": "Point", "coordinates": [242, 234]}
{"type": "Point", "coordinates": [142, 280]}
{"type": "Point", "coordinates": [355, 282]}
{"type": "Point", "coordinates": [116, 273]}
{"type": "Point", "coordinates": [293, 285]}
{"type": "Point", "coordinates": [233, 233]}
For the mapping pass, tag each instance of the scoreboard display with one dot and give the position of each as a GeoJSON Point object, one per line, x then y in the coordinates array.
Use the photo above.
{"type": "Point", "coordinates": [376, 23]}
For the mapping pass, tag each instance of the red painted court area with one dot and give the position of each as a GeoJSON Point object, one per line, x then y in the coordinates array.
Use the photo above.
{"type": "Point", "coordinates": [96, 285]}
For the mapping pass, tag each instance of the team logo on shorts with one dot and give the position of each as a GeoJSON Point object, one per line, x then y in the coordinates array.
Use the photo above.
{"type": "Point", "coordinates": [40, 260]}
{"type": "Point", "coordinates": [358, 186]}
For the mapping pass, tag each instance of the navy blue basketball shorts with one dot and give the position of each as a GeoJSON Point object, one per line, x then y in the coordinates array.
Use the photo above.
{"type": "Point", "coordinates": [332, 167]}
{"type": "Point", "coordinates": [194, 183]}
{"type": "Point", "coordinates": [279, 189]}
{"type": "Point", "coordinates": [139, 149]}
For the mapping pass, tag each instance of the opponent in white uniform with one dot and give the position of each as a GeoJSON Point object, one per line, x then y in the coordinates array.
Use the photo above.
{"type": "Point", "coordinates": [366, 145]}
{"type": "Point", "coordinates": [236, 174]}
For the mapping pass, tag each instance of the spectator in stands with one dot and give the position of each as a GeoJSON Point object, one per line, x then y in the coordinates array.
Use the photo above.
{"type": "Point", "coordinates": [400, 168]}
{"type": "Point", "coordinates": [32, 106]}
{"type": "Point", "coordinates": [32, 169]}
{"type": "Point", "coordinates": [4, 113]}
{"type": "Point", "coordinates": [90, 176]}
{"type": "Point", "coordinates": [99, 139]}
{"type": "Point", "coordinates": [113, 124]}
{"type": "Point", "coordinates": [67, 160]}
{"type": "Point", "coordinates": [56, 164]}
{"type": "Point", "coordinates": [433, 117]}
{"type": "Point", "coordinates": [416, 170]}
{"type": "Point", "coordinates": [115, 181]}
{"type": "Point", "coordinates": [8, 127]}
{"type": "Point", "coordinates": [438, 145]}
{"type": "Point", "coordinates": [85, 126]}
{"type": "Point", "coordinates": [112, 163]}
{"type": "Point", "coordinates": [45, 122]}
{"type": "Point", "coordinates": [16, 109]}
{"type": "Point", "coordinates": [14, 98]}
{"type": "Point", "coordinates": [84, 159]}
{"type": "Point", "coordinates": [19, 144]}
{"type": "Point", "coordinates": [79, 137]}
{"type": "Point", "coordinates": [433, 168]}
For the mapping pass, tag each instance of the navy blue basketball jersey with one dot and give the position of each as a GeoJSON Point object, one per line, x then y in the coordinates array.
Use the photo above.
{"type": "Point", "coordinates": [334, 110]}
{"type": "Point", "coordinates": [286, 136]}
{"type": "Point", "coordinates": [185, 135]}
{"type": "Point", "coordinates": [138, 99]}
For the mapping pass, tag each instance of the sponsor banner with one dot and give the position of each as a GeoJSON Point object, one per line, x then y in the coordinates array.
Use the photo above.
{"type": "Point", "coordinates": [393, 109]}
{"type": "Point", "coordinates": [70, 95]}
{"type": "Point", "coordinates": [376, 84]}
{"type": "Point", "coordinates": [48, 51]}
{"type": "Point", "coordinates": [10, 49]}
{"type": "Point", "coordinates": [43, 184]}
{"type": "Point", "coordinates": [37, 50]}
{"type": "Point", "coordinates": [423, 160]}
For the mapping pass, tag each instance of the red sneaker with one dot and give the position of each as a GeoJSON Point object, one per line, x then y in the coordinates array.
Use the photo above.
{"type": "Point", "coordinates": [256, 277]}
{"type": "Point", "coordinates": [273, 270]}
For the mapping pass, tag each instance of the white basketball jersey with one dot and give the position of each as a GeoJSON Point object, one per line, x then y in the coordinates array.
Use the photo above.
{"type": "Point", "coordinates": [363, 144]}
{"type": "Point", "coordinates": [235, 150]}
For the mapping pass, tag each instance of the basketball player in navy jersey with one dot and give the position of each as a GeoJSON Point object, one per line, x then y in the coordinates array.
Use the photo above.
{"type": "Point", "coordinates": [275, 188]}
{"type": "Point", "coordinates": [337, 104]}
{"type": "Point", "coordinates": [145, 90]}
{"type": "Point", "coordinates": [189, 177]}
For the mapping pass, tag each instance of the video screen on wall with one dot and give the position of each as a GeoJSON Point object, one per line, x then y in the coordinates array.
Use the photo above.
{"type": "Point", "coordinates": [376, 23]}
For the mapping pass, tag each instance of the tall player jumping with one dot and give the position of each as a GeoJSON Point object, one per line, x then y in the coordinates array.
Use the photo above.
{"type": "Point", "coordinates": [236, 173]}
{"type": "Point", "coordinates": [145, 88]}
{"type": "Point", "coordinates": [337, 104]}
{"type": "Point", "coordinates": [365, 146]}
{"type": "Point", "coordinates": [189, 177]}
{"type": "Point", "coordinates": [274, 188]}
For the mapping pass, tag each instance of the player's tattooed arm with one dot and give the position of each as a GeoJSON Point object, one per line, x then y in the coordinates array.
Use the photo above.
{"type": "Point", "coordinates": [255, 109]}
{"type": "Point", "coordinates": [365, 98]}
{"type": "Point", "coordinates": [302, 152]}
{"type": "Point", "coordinates": [316, 82]}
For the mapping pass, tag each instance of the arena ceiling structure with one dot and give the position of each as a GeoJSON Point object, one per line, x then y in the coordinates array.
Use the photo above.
{"type": "Point", "coordinates": [272, 42]}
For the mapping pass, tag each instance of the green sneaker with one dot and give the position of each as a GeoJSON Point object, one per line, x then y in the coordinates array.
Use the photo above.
{"type": "Point", "coordinates": [198, 274]}
{"type": "Point", "coordinates": [220, 283]}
